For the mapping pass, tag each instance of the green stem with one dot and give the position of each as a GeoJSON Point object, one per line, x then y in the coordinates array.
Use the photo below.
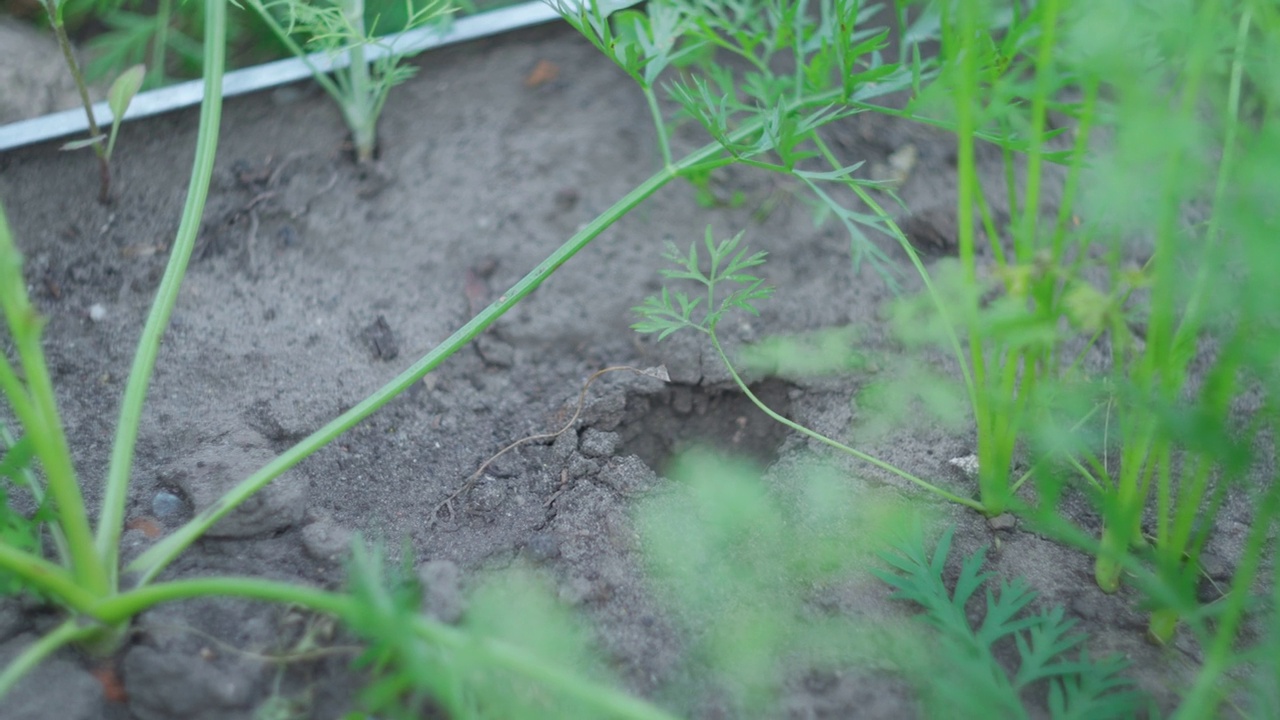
{"type": "Point", "coordinates": [68, 632]}
{"type": "Point", "coordinates": [896, 232]}
{"type": "Point", "coordinates": [36, 408]}
{"type": "Point", "coordinates": [321, 78]}
{"type": "Point", "coordinates": [50, 579]}
{"type": "Point", "coordinates": [724, 358]}
{"type": "Point", "coordinates": [1025, 240]}
{"type": "Point", "coordinates": [659, 126]}
{"type": "Point", "coordinates": [1205, 695]}
{"type": "Point", "coordinates": [358, 107]}
{"type": "Point", "coordinates": [111, 521]}
{"type": "Point", "coordinates": [159, 44]}
{"type": "Point", "coordinates": [54, 10]}
{"type": "Point", "coordinates": [27, 478]}
{"type": "Point", "coordinates": [612, 702]}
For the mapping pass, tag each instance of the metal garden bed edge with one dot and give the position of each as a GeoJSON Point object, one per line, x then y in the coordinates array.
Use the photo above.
{"type": "Point", "coordinates": [272, 74]}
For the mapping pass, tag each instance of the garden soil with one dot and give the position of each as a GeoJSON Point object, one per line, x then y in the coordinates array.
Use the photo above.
{"type": "Point", "coordinates": [315, 281]}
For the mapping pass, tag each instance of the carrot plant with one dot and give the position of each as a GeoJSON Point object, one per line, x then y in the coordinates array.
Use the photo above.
{"type": "Point", "coordinates": [119, 96]}
{"type": "Point", "coordinates": [364, 66]}
{"type": "Point", "coordinates": [1185, 331]}
{"type": "Point", "coordinates": [1145, 174]}
{"type": "Point", "coordinates": [963, 678]}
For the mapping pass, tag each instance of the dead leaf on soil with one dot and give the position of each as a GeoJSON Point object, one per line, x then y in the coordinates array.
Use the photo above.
{"type": "Point", "coordinates": [543, 72]}
{"type": "Point", "coordinates": [149, 526]}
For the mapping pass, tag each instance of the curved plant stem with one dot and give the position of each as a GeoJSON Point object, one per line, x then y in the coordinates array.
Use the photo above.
{"type": "Point", "coordinates": [53, 580]}
{"type": "Point", "coordinates": [659, 127]}
{"type": "Point", "coordinates": [612, 703]}
{"type": "Point", "coordinates": [68, 632]}
{"type": "Point", "coordinates": [54, 10]}
{"type": "Point", "coordinates": [36, 408]}
{"type": "Point", "coordinates": [828, 441]}
{"type": "Point", "coordinates": [110, 524]}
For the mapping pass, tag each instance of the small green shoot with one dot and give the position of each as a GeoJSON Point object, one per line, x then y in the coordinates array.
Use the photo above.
{"type": "Point", "coordinates": [664, 317]}
{"type": "Point", "coordinates": [963, 676]}
{"type": "Point", "coordinates": [119, 96]}
{"type": "Point", "coordinates": [359, 87]}
{"type": "Point", "coordinates": [667, 313]}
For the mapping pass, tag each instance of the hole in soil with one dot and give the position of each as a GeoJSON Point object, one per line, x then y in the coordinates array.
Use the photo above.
{"type": "Point", "coordinates": [660, 426]}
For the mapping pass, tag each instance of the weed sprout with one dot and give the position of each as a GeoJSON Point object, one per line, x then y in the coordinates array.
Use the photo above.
{"type": "Point", "coordinates": [119, 96]}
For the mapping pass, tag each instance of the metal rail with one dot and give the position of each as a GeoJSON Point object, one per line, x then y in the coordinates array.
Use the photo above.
{"type": "Point", "coordinates": [259, 77]}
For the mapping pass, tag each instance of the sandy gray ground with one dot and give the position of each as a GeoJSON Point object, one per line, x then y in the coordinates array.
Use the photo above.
{"type": "Point", "coordinates": [315, 281]}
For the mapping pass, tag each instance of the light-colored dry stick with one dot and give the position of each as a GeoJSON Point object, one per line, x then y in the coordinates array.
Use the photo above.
{"type": "Point", "coordinates": [659, 372]}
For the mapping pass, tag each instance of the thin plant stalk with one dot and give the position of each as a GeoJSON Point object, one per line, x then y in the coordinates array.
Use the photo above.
{"type": "Point", "coordinates": [870, 459]}
{"type": "Point", "coordinates": [111, 521]}
{"type": "Point", "coordinates": [1005, 376]}
{"type": "Point", "coordinates": [1206, 693]}
{"type": "Point", "coordinates": [54, 10]}
{"type": "Point", "coordinates": [120, 608]}
{"type": "Point", "coordinates": [1160, 368]}
{"type": "Point", "coordinates": [36, 408]}
{"type": "Point", "coordinates": [358, 108]}
{"type": "Point", "coordinates": [160, 43]}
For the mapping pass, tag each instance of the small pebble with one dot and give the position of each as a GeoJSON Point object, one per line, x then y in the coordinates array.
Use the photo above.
{"type": "Point", "coordinates": [167, 506]}
{"type": "Point", "coordinates": [1005, 521]}
{"type": "Point", "coordinates": [326, 541]}
{"type": "Point", "coordinates": [967, 465]}
{"type": "Point", "coordinates": [97, 312]}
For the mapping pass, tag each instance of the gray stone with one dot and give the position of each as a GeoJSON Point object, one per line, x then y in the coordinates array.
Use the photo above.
{"type": "Point", "coordinates": [166, 685]}
{"type": "Point", "coordinates": [599, 444]}
{"type": "Point", "coordinates": [167, 507]}
{"type": "Point", "coordinates": [606, 409]}
{"type": "Point", "coordinates": [565, 444]}
{"type": "Point", "coordinates": [682, 355]}
{"type": "Point", "coordinates": [326, 541]}
{"type": "Point", "coordinates": [380, 339]}
{"type": "Point", "coordinates": [442, 590]}
{"type": "Point", "coordinates": [577, 590]}
{"type": "Point", "coordinates": [1005, 521]}
{"type": "Point", "coordinates": [56, 689]}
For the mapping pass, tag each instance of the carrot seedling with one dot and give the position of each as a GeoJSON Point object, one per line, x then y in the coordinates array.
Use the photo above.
{"type": "Point", "coordinates": [962, 676]}
{"type": "Point", "coordinates": [359, 84]}
{"type": "Point", "coordinates": [119, 96]}
{"type": "Point", "coordinates": [727, 286]}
